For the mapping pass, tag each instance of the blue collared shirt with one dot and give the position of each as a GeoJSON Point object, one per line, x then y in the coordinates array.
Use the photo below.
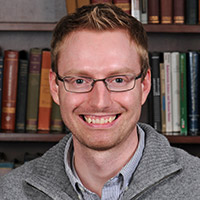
{"type": "Point", "coordinates": [113, 188]}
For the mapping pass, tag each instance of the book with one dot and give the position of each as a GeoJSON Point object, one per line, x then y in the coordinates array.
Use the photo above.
{"type": "Point", "coordinates": [153, 11]}
{"type": "Point", "coordinates": [56, 121]}
{"type": "Point", "coordinates": [81, 3]}
{"type": "Point", "coordinates": [144, 11]}
{"type": "Point", "coordinates": [183, 94]}
{"type": "Point", "coordinates": [1, 83]}
{"type": "Point", "coordinates": [135, 9]}
{"type": "Point", "coordinates": [9, 97]}
{"type": "Point", "coordinates": [168, 96]}
{"type": "Point", "coordinates": [44, 112]}
{"type": "Point", "coordinates": [199, 13]}
{"type": "Point", "coordinates": [166, 11]}
{"type": "Point", "coordinates": [71, 6]}
{"type": "Point", "coordinates": [179, 11]}
{"type": "Point", "coordinates": [191, 12]}
{"type": "Point", "coordinates": [101, 1]}
{"type": "Point", "coordinates": [155, 66]}
{"type": "Point", "coordinates": [193, 94]}
{"type": "Point", "coordinates": [33, 89]}
{"type": "Point", "coordinates": [162, 95]}
{"type": "Point", "coordinates": [175, 92]}
{"type": "Point", "coordinates": [125, 5]}
{"type": "Point", "coordinates": [22, 92]}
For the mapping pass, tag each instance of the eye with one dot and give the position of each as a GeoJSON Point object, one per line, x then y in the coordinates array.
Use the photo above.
{"type": "Point", "coordinates": [118, 80]}
{"type": "Point", "coordinates": [79, 81]}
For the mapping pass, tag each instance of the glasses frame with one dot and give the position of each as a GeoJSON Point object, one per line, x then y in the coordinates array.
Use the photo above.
{"type": "Point", "coordinates": [96, 80]}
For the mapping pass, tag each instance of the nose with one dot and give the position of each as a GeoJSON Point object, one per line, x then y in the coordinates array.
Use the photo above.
{"type": "Point", "coordinates": [99, 97]}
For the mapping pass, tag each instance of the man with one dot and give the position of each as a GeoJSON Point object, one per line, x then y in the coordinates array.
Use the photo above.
{"type": "Point", "coordinates": [100, 77]}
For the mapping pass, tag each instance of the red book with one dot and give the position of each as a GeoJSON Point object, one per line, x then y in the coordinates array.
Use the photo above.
{"type": "Point", "coordinates": [125, 5]}
{"type": "Point", "coordinates": [179, 11]}
{"type": "Point", "coordinates": [44, 114]}
{"type": "Point", "coordinates": [153, 12]}
{"type": "Point", "coordinates": [9, 97]}
{"type": "Point", "coordinates": [166, 11]}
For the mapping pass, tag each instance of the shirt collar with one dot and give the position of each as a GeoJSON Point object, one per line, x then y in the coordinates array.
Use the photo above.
{"type": "Point", "coordinates": [126, 172]}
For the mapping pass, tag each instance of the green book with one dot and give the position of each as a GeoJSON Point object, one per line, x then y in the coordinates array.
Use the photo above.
{"type": "Point", "coordinates": [183, 94]}
{"type": "Point", "coordinates": [33, 89]}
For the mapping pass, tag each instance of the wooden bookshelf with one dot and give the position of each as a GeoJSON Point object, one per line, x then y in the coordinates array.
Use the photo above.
{"type": "Point", "coordinates": [184, 139]}
{"type": "Point", "coordinates": [151, 28]}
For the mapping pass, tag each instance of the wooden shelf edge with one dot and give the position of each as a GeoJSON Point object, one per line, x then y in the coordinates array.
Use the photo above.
{"type": "Point", "coordinates": [171, 28]}
{"type": "Point", "coordinates": [27, 26]}
{"type": "Point", "coordinates": [184, 139]}
{"type": "Point", "coordinates": [31, 137]}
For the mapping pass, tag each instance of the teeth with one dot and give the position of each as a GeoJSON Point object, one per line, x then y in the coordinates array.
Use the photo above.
{"type": "Point", "coordinates": [102, 120]}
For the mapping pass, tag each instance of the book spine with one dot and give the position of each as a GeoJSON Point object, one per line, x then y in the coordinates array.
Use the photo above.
{"type": "Point", "coordinates": [179, 11]}
{"type": "Point", "coordinates": [135, 9]}
{"type": "Point", "coordinates": [81, 3]}
{"type": "Point", "coordinates": [1, 84]}
{"type": "Point", "coordinates": [22, 92]}
{"type": "Point", "coordinates": [199, 13]}
{"type": "Point", "coordinates": [9, 89]}
{"type": "Point", "coordinates": [144, 11]}
{"type": "Point", "coordinates": [33, 89]}
{"type": "Point", "coordinates": [166, 11]}
{"type": "Point", "coordinates": [175, 77]}
{"type": "Point", "coordinates": [153, 12]}
{"type": "Point", "coordinates": [168, 97]}
{"type": "Point", "coordinates": [183, 94]}
{"type": "Point", "coordinates": [56, 121]}
{"type": "Point", "coordinates": [162, 95]}
{"type": "Point", "coordinates": [155, 65]}
{"type": "Point", "coordinates": [193, 78]}
{"type": "Point", "coordinates": [191, 12]}
{"type": "Point", "coordinates": [71, 6]}
{"type": "Point", "coordinates": [101, 1]}
{"type": "Point", "coordinates": [45, 96]}
{"type": "Point", "coordinates": [125, 5]}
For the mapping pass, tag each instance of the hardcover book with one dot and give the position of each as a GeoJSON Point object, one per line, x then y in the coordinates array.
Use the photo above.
{"type": "Point", "coordinates": [81, 3]}
{"type": "Point", "coordinates": [135, 9]}
{"type": "Point", "coordinates": [179, 11]}
{"type": "Point", "coordinates": [166, 11]}
{"type": "Point", "coordinates": [183, 94]}
{"type": "Point", "coordinates": [144, 11]}
{"type": "Point", "coordinates": [1, 83]}
{"type": "Point", "coordinates": [153, 11]}
{"type": "Point", "coordinates": [191, 12]}
{"type": "Point", "coordinates": [56, 121]}
{"type": "Point", "coordinates": [125, 5]}
{"type": "Point", "coordinates": [71, 6]}
{"type": "Point", "coordinates": [33, 89]}
{"type": "Point", "coordinates": [175, 88]}
{"type": "Point", "coordinates": [155, 66]}
{"type": "Point", "coordinates": [9, 89]}
{"type": "Point", "coordinates": [168, 95]}
{"type": "Point", "coordinates": [22, 92]}
{"type": "Point", "coordinates": [44, 113]}
{"type": "Point", "coordinates": [193, 93]}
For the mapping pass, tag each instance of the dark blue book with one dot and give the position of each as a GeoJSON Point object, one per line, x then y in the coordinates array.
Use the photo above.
{"type": "Point", "coordinates": [22, 92]}
{"type": "Point", "coordinates": [191, 8]}
{"type": "Point", "coordinates": [193, 92]}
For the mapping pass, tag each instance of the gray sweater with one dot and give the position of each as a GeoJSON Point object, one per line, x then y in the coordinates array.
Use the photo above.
{"type": "Point", "coordinates": [163, 173]}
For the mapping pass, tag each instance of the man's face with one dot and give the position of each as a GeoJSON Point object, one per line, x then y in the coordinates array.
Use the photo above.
{"type": "Point", "coordinates": [112, 115]}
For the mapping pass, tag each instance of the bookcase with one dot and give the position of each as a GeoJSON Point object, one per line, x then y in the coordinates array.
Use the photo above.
{"type": "Point", "coordinates": [24, 35]}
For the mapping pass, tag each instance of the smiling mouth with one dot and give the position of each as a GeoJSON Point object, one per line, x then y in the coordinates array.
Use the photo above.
{"type": "Point", "coordinates": [99, 119]}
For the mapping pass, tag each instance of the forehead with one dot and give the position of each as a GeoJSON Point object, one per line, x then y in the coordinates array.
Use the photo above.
{"type": "Point", "coordinates": [97, 50]}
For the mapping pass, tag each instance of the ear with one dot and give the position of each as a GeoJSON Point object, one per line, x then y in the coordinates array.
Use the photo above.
{"type": "Point", "coordinates": [54, 89]}
{"type": "Point", "coordinates": [146, 86]}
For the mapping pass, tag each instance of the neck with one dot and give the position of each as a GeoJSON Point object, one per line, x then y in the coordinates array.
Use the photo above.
{"type": "Point", "coordinates": [95, 168]}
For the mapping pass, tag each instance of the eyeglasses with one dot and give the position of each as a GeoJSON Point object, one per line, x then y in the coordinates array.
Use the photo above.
{"type": "Point", "coordinates": [81, 84]}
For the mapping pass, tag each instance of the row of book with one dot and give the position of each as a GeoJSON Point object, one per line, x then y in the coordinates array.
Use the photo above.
{"type": "Point", "coordinates": [151, 11]}
{"type": "Point", "coordinates": [175, 94]}
{"type": "Point", "coordinates": [25, 100]}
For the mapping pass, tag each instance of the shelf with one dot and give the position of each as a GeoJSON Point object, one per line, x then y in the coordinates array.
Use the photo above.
{"type": "Point", "coordinates": [171, 28]}
{"type": "Point", "coordinates": [27, 26]}
{"type": "Point", "coordinates": [150, 28]}
{"type": "Point", "coordinates": [31, 137]}
{"type": "Point", "coordinates": [184, 139]}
